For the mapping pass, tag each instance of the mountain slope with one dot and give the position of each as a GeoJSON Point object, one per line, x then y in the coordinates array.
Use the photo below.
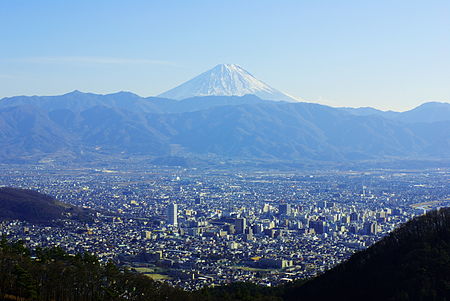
{"type": "Point", "coordinates": [28, 131]}
{"type": "Point", "coordinates": [32, 206]}
{"type": "Point", "coordinates": [289, 131]}
{"type": "Point", "coordinates": [225, 80]}
{"type": "Point", "coordinates": [427, 112]}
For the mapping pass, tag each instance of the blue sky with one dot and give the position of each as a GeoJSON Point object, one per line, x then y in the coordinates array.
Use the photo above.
{"type": "Point", "coordinates": [388, 54]}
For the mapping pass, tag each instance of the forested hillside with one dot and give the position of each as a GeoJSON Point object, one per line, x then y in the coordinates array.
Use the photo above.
{"type": "Point", "coordinates": [52, 274]}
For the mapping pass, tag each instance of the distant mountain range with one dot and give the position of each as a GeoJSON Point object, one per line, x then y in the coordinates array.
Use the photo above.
{"type": "Point", "coordinates": [86, 126]}
{"type": "Point", "coordinates": [427, 112]}
{"type": "Point", "coordinates": [224, 113]}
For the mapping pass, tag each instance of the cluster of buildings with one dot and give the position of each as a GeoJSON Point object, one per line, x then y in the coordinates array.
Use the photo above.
{"type": "Point", "coordinates": [195, 228]}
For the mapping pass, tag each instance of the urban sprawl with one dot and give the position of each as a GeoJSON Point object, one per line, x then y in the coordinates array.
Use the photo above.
{"type": "Point", "coordinates": [200, 227]}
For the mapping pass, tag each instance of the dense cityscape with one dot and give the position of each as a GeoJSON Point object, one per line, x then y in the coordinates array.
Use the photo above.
{"type": "Point", "coordinates": [202, 227]}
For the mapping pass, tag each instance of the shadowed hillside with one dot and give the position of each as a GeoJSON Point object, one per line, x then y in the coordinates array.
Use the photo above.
{"type": "Point", "coordinates": [412, 263]}
{"type": "Point", "coordinates": [32, 206]}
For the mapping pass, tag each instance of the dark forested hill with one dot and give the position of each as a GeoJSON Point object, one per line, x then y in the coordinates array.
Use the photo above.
{"type": "Point", "coordinates": [32, 206]}
{"type": "Point", "coordinates": [411, 263]}
{"type": "Point", "coordinates": [53, 274]}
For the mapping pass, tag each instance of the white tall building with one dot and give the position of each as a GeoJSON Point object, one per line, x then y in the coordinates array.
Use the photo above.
{"type": "Point", "coordinates": [172, 214]}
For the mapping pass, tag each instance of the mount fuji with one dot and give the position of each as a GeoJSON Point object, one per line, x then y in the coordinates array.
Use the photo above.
{"type": "Point", "coordinates": [226, 80]}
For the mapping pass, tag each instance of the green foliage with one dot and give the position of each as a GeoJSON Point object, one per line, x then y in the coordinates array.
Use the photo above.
{"type": "Point", "coordinates": [52, 274]}
{"type": "Point", "coordinates": [25, 283]}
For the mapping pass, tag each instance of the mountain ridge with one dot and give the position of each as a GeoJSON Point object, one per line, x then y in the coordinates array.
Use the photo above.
{"type": "Point", "coordinates": [427, 112]}
{"type": "Point", "coordinates": [87, 126]}
{"type": "Point", "coordinates": [127, 96]}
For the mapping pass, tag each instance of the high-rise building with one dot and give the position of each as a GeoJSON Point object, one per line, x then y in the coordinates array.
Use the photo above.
{"type": "Point", "coordinates": [370, 228]}
{"type": "Point", "coordinates": [172, 214]}
{"type": "Point", "coordinates": [354, 217]}
{"type": "Point", "coordinates": [319, 226]}
{"type": "Point", "coordinates": [240, 225]}
{"type": "Point", "coordinates": [353, 229]}
{"type": "Point", "coordinates": [284, 209]}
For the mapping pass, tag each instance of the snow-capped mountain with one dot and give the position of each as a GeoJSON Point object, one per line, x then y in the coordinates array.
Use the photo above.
{"type": "Point", "coordinates": [226, 80]}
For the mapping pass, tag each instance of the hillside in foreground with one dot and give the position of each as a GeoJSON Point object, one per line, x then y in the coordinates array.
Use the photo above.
{"type": "Point", "coordinates": [412, 263]}
{"type": "Point", "coordinates": [35, 207]}
{"type": "Point", "coordinates": [52, 274]}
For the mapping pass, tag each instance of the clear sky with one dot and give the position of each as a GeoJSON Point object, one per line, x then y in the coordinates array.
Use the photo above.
{"type": "Point", "coordinates": [388, 54]}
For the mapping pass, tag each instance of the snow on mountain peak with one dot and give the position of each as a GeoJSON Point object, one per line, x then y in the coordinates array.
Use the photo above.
{"type": "Point", "coordinates": [226, 80]}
